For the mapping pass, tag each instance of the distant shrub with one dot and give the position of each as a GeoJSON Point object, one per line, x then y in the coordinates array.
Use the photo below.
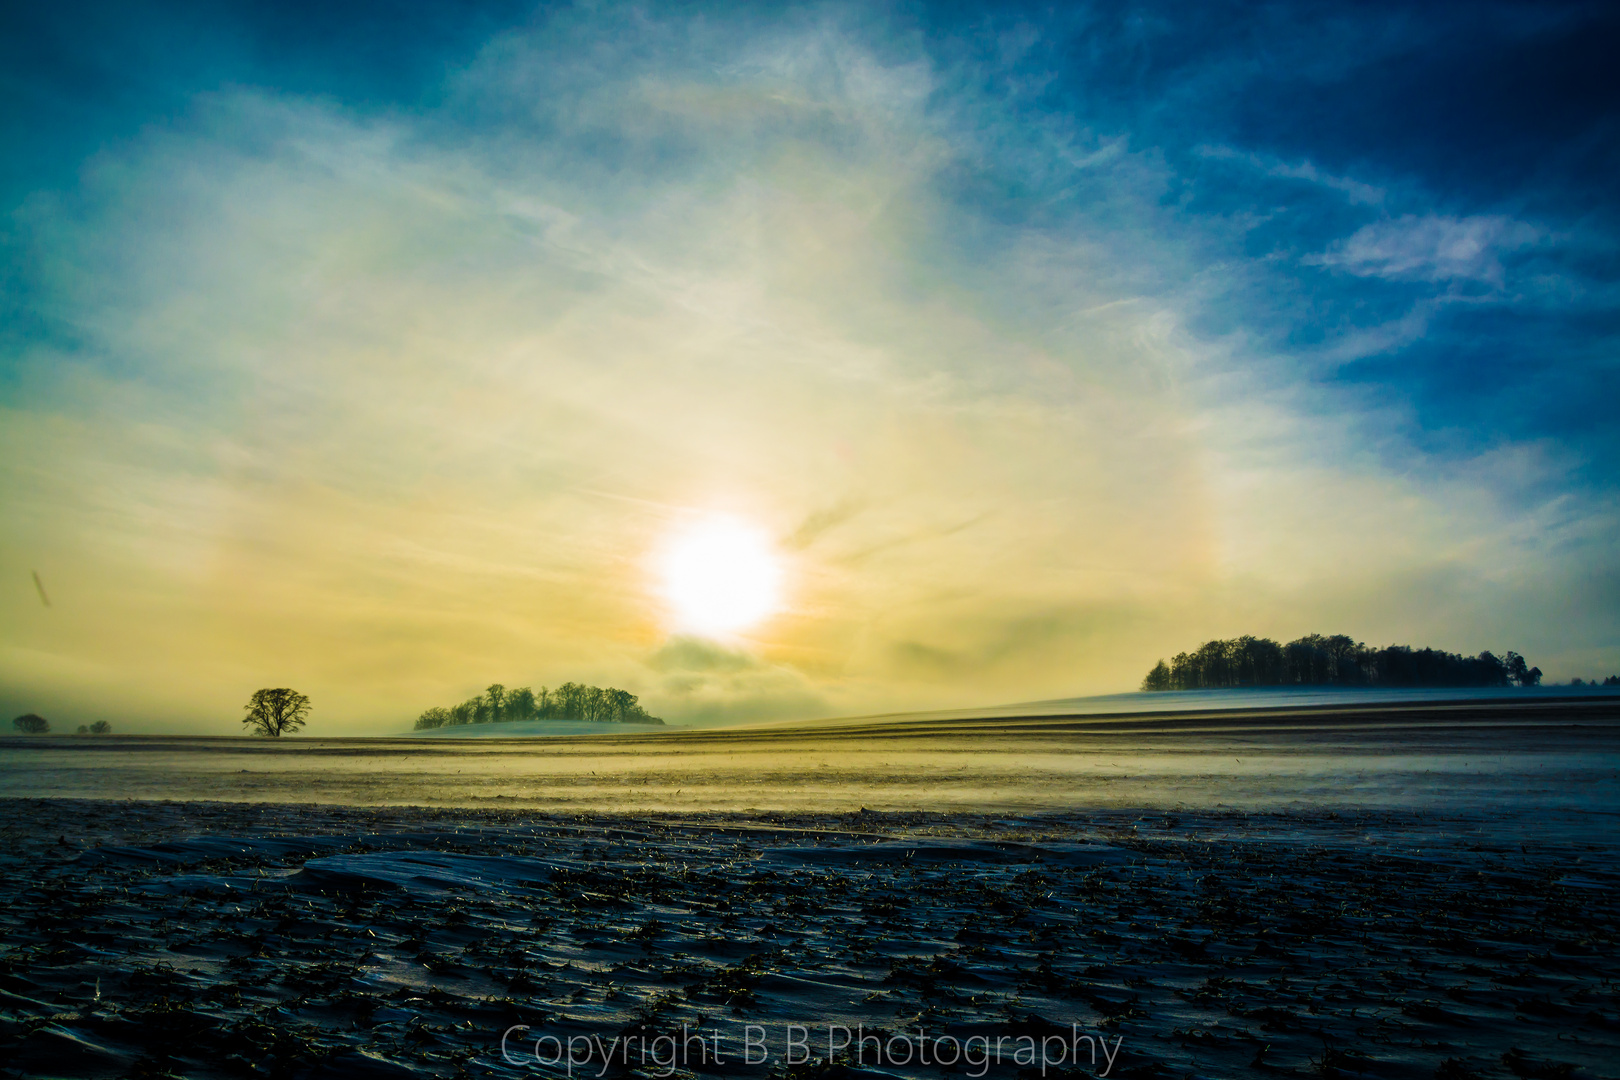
{"type": "Point", "coordinates": [84, 729]}
{"type": "Point", "coordinates": [31, 724]}
{"type": "Point", "coordinates": [101, 727]}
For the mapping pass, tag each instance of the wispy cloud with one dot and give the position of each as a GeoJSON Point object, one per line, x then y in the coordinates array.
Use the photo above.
{"type": "Point", "coordinates": [1431, 248]}
{"type": "Point", "coordinates": [1353, 190]}
{"type": "Point", "coordinates": [389, 403]}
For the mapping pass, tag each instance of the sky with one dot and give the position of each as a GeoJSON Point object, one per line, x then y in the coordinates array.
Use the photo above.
{"type": "Point", "coordinates": [385, 353]}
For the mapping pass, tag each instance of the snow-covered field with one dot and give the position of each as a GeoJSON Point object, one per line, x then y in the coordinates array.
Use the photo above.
{"type": "Point", "coordinates": [209, 939]}
{"type": "Point", "coordinates": [1518, 753]}
{"type": "Point", "coordinates": [1399, 891]}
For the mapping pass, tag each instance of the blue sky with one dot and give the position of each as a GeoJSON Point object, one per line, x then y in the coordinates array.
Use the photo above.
{"type": "Point", "coordinates": [379, 355]}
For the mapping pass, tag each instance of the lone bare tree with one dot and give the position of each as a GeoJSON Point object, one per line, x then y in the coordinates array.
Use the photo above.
{"type": "Point", "coordinates": [276, 712]}
{"type": "Point", "coordinates": [31, 724]}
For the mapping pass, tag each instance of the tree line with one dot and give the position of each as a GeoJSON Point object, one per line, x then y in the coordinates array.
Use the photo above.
{"type": "Point", "coordinates": [35, 724]}
{"type": "Point", "coordinates": [1336, 660]}
{"type": "Point", "coordinates": [570, 701]}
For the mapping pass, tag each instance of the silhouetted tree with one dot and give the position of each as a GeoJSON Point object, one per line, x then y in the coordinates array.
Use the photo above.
{"type": "Point", "coordinates": [84, 729]}
{"type": "Point", "coordinates": [276, 712]}
{"type": "Point", "coordinates": [520, 705]}
{"type": "Point", "coordinates": [621, 704]}
{"type": "Point", "coordinates": [1158, 678]}
{"type": "Point", "coordinates": [1255, 661]}
{"type": "Point", "coordinates": [1211, 663]}
{"type": "Point", "coordinates": [1519, 672]}
{"type": "Point", "coordinates": [1342, 652]}
{"type": "Point", "coordinates": [436, 717]}
{"type": "Point", "coordinates": [1305, 661]}
{"type": "Point", "coordinates": [101, 727]}
{"type": "Point", "coordinates": [568, 702]}
{"type": "Point", "coordinates": [31, 724]}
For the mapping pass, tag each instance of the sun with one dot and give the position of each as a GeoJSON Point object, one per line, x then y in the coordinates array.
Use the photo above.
{"type": "Point", "coordinates": [721, 577]}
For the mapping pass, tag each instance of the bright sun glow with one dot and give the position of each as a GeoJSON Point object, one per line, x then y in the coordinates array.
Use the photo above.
{"type": "Point", "coordinates": [721, 577]}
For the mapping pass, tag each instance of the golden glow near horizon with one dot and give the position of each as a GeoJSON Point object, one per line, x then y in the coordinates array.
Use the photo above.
{"type": "Point", "coordinates": [721, 577]}
{"type": "Point", "coordinates": [384, 409]}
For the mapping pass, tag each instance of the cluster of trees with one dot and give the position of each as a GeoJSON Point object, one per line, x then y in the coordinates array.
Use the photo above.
{"type": "Point", "coordinates": [570, 701]}
{"type": "Point", "coordinates": [1337, 660]}
{"type": "Point", "coordinates": [100, 727]}
{"type": "Point", "coordinates": [1612, 680]}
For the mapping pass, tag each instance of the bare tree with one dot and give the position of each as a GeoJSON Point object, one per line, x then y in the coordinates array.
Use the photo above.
{"type": "Point", "coordinates": [570, 702]}
{"type": "Point", "coordinates": [1341, 650]}
{"type": "Point", "coordinates": [521, 705]}
{"type": "Point", "coordinates": [31, 724]}
{"type": "Point", "coordinates": [276, 712]}
{"type": "Point", "coordinates": [1158, 678]}
{"type": "Point", "coordinates": [101, 727]}
{"type": "Point", "coordinates": [436, 717]}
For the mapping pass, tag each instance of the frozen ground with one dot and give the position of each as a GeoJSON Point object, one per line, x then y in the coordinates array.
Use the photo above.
{"type": "Point", "coordinates": [1429, 891]}
{"type": "Point", "coordinates": [209, 939]}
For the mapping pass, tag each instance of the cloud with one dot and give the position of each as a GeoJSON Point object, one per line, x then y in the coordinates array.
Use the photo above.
{"type": "Point", "coordinates": [706, 682]}
{"type": "Point", "coordinates": [689, 654]}
{"type": "Point", "coordinates": [1354, 191]}
{"type": "Point", "coordinates": [1431, 248]}
{"type": "Point", "coordinates": [821, 521]}
{"type": "Point", "coordinates": [390, 403]}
